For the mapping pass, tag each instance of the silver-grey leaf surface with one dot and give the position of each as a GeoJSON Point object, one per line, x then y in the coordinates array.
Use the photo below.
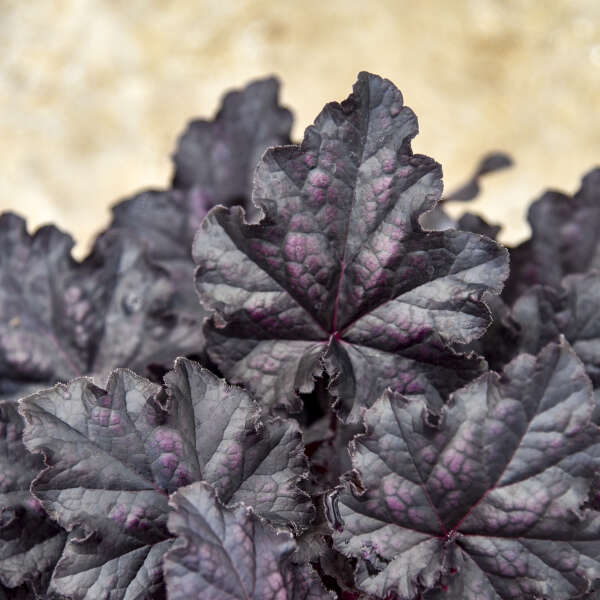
{"type": "Point", "coordinates": [164, 223]}
{"type": "Point", "coordinates": [43, 329]}
{"type": "Point", "coordinates": [138, 318]}
{"type": "Point", "coordinates": [231, 554]}
{"type": "Point", "coordinates": [60, 319]}
{"type": "Point", "coordinates": [30, 542]}
{"type": "Point", "coordinates": [340, 271]}
{"type": "Point", "coordinates": [573, 309]}
{"type": "Point", "coordinates": [247, 458]}
{"type": "Point", "coordinates": [114, 456]}
{"type": "Point", "coordinates": [488, 502]}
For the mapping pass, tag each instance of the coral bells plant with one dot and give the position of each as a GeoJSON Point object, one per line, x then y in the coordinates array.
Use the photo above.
{"type": "Point", "coordinates": [293, 376]}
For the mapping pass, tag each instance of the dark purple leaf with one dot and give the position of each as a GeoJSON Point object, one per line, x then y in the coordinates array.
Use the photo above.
{"type": "Point", "coordinates": [60, 319]}
{"type": "Point", "coordinates": [219, 157]}
{"type": "Point", "coordinates": [580, 320]}
{"type": "Point", "coordinates": [30, 542]}
{"type": "Point", "coordinates": [165, 223]}
{"type": "Point", "coordinates": [438, 220]}
{"type": "Point", "coordinates": [327, 448]}
{"type": "Point", "coordinates": [578, 236]}
{"type": "Point", "coordinates": [494, 161]}
{"type": "Point", "coordinates": [43, 334]}
{"type": "Point", "coordinates": [500, 343]}
{"type": "Point", "coordinates": [573, 310]}
{"type": "Point", "coordinates": [315, 546]}
{"type": "Point", "coordinates": [104, 483]}
{"type": "Point", "coordinates": [489, 500]}
{"type": "Point", "coordinates": [524, 272]}
{"type": "Point", "coordinates": [476, 224]}
{"type": "Point", "coordinates": [23, 592]}
{"type": "Point", "coordinates": [564, 238]}
{"type": "Point", "coordinates": [535, 313]}
{"type": "Point", "coordinates": [335, 569]}
{"type": "Point", "coordinates": [215, 161]}
{"type": "Point", "coordinates": [138, 315]}
{"type": "Point", "coordinates": [256, 461]}
{"type": "Point", "coordinates": [340, 270]}
{"type": "Point", "coordinates": [114, 456]}
{"type": "Point", "coordinates": [227, 554]}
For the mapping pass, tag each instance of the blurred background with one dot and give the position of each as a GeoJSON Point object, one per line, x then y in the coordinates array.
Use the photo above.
{"type": "Point", "coordinates": [93, 93]}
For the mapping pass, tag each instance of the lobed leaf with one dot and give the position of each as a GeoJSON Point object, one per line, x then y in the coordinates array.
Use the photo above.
{"type": "Point", "coordinates": [340, 272]}
{"type": "Point", "coordinates": [214, 161]}
{"type": "Point", "coordinates": [227, 554]}
{"type": "Point", "coordinates": [113, 457]}
{"type": "Point", "coordinates": [489, 501]}
{"type": "Point", "coordinates": [61, 319]}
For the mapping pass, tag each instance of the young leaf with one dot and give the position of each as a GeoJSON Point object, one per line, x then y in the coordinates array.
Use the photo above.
{"type": "Point", "coordinates": [340, 270]}
{"type": "Point", "coordinates": [114, 456]}
{"type": "Point", "coordinates": [30, 542]}
{"type": "Point", "coordinates": [488, 501]}
{"type": "Point", "coordinates": [563, 240]}
{"type": "Point", "coordinates": [227, 554]}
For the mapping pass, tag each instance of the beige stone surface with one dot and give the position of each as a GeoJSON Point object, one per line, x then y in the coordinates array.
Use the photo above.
{"type": "Point", "coordinates": [94, 92]}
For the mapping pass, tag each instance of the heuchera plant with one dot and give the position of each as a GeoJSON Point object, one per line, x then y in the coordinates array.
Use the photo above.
{"type": "Point", "coordinates": [292, 376]}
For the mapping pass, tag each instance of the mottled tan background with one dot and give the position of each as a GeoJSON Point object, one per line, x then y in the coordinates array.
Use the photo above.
{"type": "Point", "coordinates": [94, 92]}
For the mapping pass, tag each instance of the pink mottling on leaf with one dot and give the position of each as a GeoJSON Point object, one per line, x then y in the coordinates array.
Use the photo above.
{"type": "Point", "coordinates": [319, 179]}
{"type": "Point", "coordinates": [295, 247]}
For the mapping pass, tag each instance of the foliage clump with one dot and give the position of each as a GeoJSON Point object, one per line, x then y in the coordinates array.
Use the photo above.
{"type": "Point", "coordinates": [292, 375]}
